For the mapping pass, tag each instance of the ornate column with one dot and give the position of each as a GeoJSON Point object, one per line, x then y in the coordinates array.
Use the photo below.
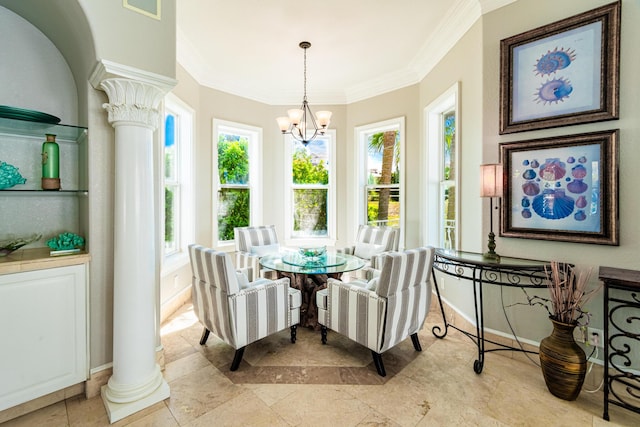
{"type": "Point", "coordinates": [137, 381]}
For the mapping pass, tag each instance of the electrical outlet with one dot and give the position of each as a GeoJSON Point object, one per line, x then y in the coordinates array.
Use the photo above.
{"type": "Point", "coordinates": [595, 337]}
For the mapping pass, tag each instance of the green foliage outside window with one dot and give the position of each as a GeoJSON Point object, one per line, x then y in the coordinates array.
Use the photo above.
{"type": "Point", "coordinates": [233, 211]}
{"type": "Point", "coordinates": [305, 172]}
{"type": "Point", "coordinates": [310, 204]}
{"type": "Point", "coordinates": [233, 168]}
{"type": "Point", "coordinates": [233, 160]}
{"type": "Point", "coordinates": [168, 215]}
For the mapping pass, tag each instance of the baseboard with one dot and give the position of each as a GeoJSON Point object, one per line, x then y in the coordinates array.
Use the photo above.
{"type": "Point", "coordinates": [171, 306]}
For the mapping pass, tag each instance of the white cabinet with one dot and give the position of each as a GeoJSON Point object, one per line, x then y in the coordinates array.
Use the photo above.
{"type": "Point", "coordinates": [43, 332]}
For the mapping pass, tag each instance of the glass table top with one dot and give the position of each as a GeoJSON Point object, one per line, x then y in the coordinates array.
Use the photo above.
{"type": "Point", "coordinates": [292, 262]}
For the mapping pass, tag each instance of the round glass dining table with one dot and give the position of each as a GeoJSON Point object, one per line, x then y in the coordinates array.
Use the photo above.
{"type": "Point", "coordinates": [293, 262]}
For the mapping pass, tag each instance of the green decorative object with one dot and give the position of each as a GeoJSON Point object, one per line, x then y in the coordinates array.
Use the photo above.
{"type": "Point", "coordinates": [9, 176]}
{"type": "Point", "coordinates": [66, 242]}
{"type": "Point", "coordinates": [50, 163]}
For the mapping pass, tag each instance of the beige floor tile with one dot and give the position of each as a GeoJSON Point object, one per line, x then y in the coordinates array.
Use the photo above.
{"type": "Point", "coordinates": [322, 405]}
{"type": "Point", "coordinates": [402, 399]}
{"type": "Point", "coordinates": [162, 417]}
{"type": "Point", "coordinates": [243, 410]}
{"type": "Point", "coordinates": [199, 392]}
{"type": "Point", "coordinates": [273, 393]}
{"type": "Point", "coordinates": [51, 416]}
{"type": "Point", "coordinates": [183, 366]}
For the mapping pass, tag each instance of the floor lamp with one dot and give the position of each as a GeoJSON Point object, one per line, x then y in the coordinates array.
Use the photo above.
{"type": "Point", "coordinates": [491, 186]}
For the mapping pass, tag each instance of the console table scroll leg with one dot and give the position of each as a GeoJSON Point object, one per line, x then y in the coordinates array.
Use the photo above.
{"type": "Point", "coordinates": [436, 330]}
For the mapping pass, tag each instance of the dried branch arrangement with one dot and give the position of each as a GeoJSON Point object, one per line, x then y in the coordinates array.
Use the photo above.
{"type": "Point", "coordinates": [568, 293]}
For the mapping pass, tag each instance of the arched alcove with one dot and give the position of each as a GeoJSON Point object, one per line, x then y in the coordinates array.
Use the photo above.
{"type": "Point", "coordinates": [65, 26]}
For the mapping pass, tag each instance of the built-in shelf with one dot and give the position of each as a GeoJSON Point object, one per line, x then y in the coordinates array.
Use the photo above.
{"type": "Point", "coordinates": [44, 193]}
{"type": "Point", "coordinates": [37, 129]}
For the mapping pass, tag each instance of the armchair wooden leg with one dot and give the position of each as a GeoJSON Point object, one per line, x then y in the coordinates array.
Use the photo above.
{"type": "Point", "coordinates": [416, 343]}
{"type": "Point", "coordinates": [237, 358]}
{"type": "Point", "coordinates": [294, 330]}
{"type": "Point", "coordinates": [323, 334]}
{"type": "Point", "coordinates": [205, 336]}
{"type": "Point", "coordinates": [377, 360]}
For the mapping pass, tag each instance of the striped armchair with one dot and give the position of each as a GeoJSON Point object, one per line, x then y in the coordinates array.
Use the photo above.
{"type": "Point", "coordinates": [251, 244]}
{"type": "Point", "coordinates": [386, 310]}
{"type": "Point", "coordinates": [371, 242]}
{"type": "Point", "coordinates": [235, 310]}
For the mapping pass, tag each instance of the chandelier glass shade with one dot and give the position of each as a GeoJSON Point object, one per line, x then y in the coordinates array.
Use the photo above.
{"type": "Point", "coordinates": [300, 123]}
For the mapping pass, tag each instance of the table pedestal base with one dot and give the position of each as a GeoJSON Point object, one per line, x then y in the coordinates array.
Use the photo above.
{"type": "Point", "coordinates": [309, 285]}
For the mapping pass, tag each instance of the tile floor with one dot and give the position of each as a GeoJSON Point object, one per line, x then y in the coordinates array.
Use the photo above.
{"type": "Point", "coordinates": [307, 384]}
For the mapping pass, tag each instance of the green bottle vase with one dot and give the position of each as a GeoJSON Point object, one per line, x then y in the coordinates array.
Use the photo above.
{"type": "Point", "coordinates": [50, 164]}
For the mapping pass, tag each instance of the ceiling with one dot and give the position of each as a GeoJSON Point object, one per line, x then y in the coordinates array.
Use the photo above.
{"type": "Point", "coordinates": [359, 48]}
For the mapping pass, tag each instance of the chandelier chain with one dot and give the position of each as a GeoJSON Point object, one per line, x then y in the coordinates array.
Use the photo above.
{"type": "Point", "coordinates": [305, 75]}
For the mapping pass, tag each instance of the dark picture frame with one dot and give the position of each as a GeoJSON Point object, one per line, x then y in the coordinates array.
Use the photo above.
{"type": "Point", "coordinates": [562, 74]}
{"type": "Point", "coordinates": [562, 188]}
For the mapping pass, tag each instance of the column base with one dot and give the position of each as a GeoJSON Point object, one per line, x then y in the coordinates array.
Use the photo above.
{"type": "Point", "coordinates": [118, 411]}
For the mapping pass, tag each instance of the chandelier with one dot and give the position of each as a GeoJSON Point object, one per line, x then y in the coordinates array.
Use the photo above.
{"type": "Point", "coordinates": [301, 123]}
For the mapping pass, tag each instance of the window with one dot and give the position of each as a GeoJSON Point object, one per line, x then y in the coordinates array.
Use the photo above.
{"type": "Point", "coordinates": [177, 178]}
{"type": "Point", "coordinates": [443, 153]}
{"type": "Point", "coordinates": [236, 174]}
{"type": "Point", "coordinates": [310, 193]}
{"type": "Point", "coordinates": [381, 147]}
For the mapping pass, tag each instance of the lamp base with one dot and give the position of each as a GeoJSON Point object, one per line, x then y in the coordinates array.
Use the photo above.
{"type": "Point", "coordinates": [491, 254]}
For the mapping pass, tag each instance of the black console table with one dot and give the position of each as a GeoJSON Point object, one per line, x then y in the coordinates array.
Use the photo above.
{"type": "Point", "coordinates": [622, 338]}
{"type": "Point", "coordinates": [511, 272]}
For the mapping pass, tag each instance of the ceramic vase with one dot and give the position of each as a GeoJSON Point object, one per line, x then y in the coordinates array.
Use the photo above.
{"type": "Point", "coordinates": [563, 362]}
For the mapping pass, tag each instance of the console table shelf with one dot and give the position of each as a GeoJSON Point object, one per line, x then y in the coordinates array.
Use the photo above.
{"type": "Point", "coordinates": [622, 338]}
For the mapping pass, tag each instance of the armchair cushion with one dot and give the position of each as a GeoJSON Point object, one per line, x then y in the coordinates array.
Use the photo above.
{"type": "Point", "coordinates": [265, 249]}
{"type": "Point", "coordinates": [367, 250]}
{"type": "Point", "coordinates": [243, 280]}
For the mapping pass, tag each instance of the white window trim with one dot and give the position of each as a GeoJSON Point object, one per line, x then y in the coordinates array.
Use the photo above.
{"type": "Point", "coordinates": [186, 235]}
{"type": "Point", "coordinates": [360, 136]}
{"type": "Point", "coordinates": [432, 224]}
{"type": "Point", "coordinates": [254, 135]}
{"type": "Point", "coordinates": [330, 240]}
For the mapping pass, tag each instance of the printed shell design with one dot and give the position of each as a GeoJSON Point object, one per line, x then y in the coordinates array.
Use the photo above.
{"type": "Point", "coordinates": [552, 170]}
{"type": "Point", "coordinates": [554, 60]}
{"type": "Point", "coordinates": [553, 204]}
{"type": "Point", "coordinates": [9, 176]}
{"type": "Point", "coordinates": [554, 90]}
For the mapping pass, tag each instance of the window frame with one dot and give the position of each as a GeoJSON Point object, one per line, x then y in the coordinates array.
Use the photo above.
{"type": "Point", "coordinates": [361, 136]}
{"type": "Point", "coordinates": [330, 238]}
{"type": "Point", "coordinates": [254, 136]}
{"type": "Point", "coordinates": [433, 226]}
{"type": "Point", "coordinates": [184, 227]}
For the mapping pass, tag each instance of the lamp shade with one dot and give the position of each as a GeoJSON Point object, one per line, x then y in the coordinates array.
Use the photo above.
{"type": "Point", "coordinates": [491, 180]}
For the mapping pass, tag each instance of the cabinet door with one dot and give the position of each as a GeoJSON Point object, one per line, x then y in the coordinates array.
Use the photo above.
{"type": "Point", "coordinates": [43, 332]}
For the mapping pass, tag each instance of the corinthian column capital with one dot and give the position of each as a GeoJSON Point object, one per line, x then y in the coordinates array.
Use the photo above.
{"type": "Point", "coordinates": [132, 101]}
